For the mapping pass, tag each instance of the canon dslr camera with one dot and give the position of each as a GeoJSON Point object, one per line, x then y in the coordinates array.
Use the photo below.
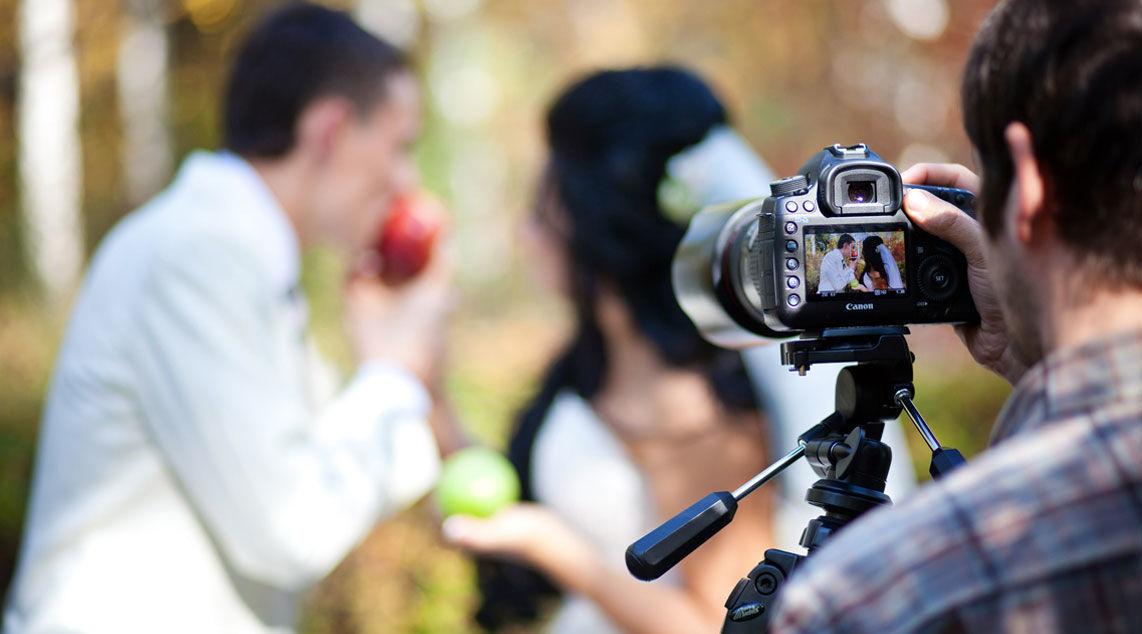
{"type": "Point", "coordinates": [830, 247]}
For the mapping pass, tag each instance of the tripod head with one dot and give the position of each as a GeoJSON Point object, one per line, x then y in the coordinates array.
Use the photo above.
{"type": "Point", "coordinates": [844, 449]}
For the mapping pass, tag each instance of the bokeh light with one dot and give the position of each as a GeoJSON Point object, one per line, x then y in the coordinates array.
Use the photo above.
{"type": "Point", "coordinates": [209, 15]}
{"type": "Point", "coordinates": [920, 19]}
{"type": "Point", "coordinates": [397, 21]}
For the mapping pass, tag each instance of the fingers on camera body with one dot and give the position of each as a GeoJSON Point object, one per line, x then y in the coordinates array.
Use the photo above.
{"type": "Point", "coordinates": [940, 218]}
{"type": "Point", "coordinates": [942, 175]}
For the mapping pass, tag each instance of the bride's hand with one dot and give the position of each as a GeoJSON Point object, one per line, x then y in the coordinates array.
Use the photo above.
{"type": "Point", "coordinates": [528, 532]}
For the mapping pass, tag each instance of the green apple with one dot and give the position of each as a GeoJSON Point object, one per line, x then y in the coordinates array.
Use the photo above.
{"type": "Point", "coordinates": [476, 481]}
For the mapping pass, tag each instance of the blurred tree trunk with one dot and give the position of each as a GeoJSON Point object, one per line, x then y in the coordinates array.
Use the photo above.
{"type": "Point", "coordinates": [141, 70]}
{"type": "Point", "coordinates": [51, 173]}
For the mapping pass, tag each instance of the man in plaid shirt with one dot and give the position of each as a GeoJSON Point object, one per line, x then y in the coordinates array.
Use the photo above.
{"type": "Point", "coordinates": [1043, 532]}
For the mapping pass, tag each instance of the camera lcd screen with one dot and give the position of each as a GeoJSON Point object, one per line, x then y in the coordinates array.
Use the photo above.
{"type": "Point", "coordinates": [860, 260]}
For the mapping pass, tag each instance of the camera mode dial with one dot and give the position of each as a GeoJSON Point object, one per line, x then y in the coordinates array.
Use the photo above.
{"type": "Point", "coordinates": [790, 185]}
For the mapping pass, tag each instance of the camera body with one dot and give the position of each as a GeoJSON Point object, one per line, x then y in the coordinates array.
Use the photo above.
{"type": "Point", "coordinates": [831, 247]}
{"type": "Point", "coordinates": [809, 280]}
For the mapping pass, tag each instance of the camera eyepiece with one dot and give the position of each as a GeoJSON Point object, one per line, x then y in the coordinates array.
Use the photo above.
{"type": "Point", "coordinates": [861, 192]}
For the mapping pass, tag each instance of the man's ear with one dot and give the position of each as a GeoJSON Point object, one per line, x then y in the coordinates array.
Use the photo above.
{"type": "Point", "coordinates": [1031, 216]}
{"type": "Point", "coordinates": [320, 125]}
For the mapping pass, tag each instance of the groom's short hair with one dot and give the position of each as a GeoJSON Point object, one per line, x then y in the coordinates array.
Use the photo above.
{"type": "Point", "coordinates": [296, 55]}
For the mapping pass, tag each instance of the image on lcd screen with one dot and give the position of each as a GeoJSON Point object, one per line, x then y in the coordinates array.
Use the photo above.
{"type": "Point", "coordinates": [854, 262]}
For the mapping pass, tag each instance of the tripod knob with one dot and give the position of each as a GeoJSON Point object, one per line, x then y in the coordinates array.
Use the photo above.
{"type": "Point", "coordinates": [944, 460]}
{"type": "Point", "coordinates": [839, 451]}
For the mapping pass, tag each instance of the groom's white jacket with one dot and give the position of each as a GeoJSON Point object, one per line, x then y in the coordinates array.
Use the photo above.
{"type": "Point", "coordinates": [192, 474]}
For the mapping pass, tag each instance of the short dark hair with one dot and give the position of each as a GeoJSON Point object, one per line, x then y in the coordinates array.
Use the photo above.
{"type": "Point", "coordinates": [297, 54]}
{"type": "Point", "coordinates": [844, 239]}
{"type": "Point", "coordinates": [1072, 73]}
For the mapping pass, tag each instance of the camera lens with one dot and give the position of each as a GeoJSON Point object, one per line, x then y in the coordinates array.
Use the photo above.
{"type": "Point", "coordinates": [861, 192]}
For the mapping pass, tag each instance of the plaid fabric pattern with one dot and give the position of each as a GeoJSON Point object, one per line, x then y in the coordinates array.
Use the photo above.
{"type": "Point", "coordinates": [1041, 533]}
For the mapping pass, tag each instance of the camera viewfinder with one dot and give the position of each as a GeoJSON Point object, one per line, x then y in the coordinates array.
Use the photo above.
{"type": "Point", "coordinates": [861, 192]}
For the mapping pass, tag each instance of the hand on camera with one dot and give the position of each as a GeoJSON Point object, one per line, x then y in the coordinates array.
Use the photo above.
{"type": "Point", "coordinates": [404, 324]}
{"type": "Point", "coordinates": [987, 341]}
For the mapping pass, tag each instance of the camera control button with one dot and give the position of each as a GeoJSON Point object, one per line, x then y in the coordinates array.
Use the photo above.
{"type": "Point", "coordinates": [791, 264]}
{"type": "Point", "coordinates": [791, 227]}
{"type": "Point", "coordinates": [791, 206]}
{"type": "Point", "coordinates": [794, 300]}
{"type": "Point", "coordinates": [938, 278]}
{"type": "Point", "coordinates": [808, 206]}
{"type": "Point", "coordinates": [790, 245]}
{"type": "Point", "coordinates": [792, 282]}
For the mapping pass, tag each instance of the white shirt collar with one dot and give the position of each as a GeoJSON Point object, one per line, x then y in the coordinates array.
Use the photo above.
{"type": "Point", "coordinates": [229, 173]}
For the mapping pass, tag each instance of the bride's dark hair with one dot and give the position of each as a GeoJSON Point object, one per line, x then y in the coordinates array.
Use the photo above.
{"type": "Point", "coordinates": [610, 136]}
{"type": "Point", "coordinates": [872, 259]}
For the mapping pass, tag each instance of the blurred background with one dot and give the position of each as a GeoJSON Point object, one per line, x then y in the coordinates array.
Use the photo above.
{"type": "Point", "coordinates": [101, 99]}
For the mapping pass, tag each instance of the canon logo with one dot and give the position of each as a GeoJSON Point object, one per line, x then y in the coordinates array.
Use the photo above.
{"type": "Point", "coordinates": [858, 306]}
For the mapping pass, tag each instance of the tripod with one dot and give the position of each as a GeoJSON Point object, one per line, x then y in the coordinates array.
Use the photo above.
{"type": "Point", "coordinates": [844, 449]}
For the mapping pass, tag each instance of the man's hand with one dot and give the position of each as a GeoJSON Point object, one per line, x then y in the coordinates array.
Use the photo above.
{"type": "Point", "coordinates": [987, 341]}
{"type": "Point", "coordinates": [405, 324]}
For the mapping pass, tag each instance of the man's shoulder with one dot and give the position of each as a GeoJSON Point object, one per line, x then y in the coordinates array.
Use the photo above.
{"type": "Point", "coordinates": [158, 240]}
{"type": "Point", "coordinates": [186, 226]}
{"type": "Point", "coordinates": [1021, 513]}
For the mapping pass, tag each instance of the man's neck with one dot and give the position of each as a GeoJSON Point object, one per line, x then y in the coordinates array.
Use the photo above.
{"type": "Point", "coordinates": [1088, 315]}
{"type": "Point", "coordinates": [287, 181]}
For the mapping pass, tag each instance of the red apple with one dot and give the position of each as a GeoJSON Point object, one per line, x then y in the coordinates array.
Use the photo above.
{"type": "Point", "coordinates": [408, 236]}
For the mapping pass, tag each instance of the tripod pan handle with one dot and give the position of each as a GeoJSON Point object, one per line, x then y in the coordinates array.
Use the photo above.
{"type": "Point", "coordinates": [650, 557]}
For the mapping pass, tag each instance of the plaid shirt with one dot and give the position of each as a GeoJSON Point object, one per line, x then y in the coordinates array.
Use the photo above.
{"type": "Point", "coordinates": [1041, 533]}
